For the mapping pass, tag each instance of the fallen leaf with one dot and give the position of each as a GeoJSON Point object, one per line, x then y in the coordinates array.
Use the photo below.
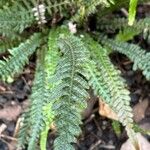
{"type": "Point", "coordinates": [143, 143]}
{"type": "Point", "coordinates": [139, 110]}
{"type": "Point", "coordinates": [106, 111]}
{"type": "Point", "coordinates": [13, 145]}
{"type": "Point", "coordinates": [10, 113]}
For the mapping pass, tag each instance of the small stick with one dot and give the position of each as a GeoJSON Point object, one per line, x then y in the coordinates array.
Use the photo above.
{"type": "Point", "coordinates": [8, 137]}
{"type": "Point", "coordinates": [95, 145]}
{"type": "Point", "coordinates": [125, 12]}
{"type": "Point", "coordinates": [2, 128]}
{"type": "Point", "coordinates": [17, 127]}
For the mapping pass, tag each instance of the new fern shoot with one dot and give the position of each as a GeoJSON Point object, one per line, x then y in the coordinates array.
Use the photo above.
{"type": "Point", "coordinates": [68, 63]}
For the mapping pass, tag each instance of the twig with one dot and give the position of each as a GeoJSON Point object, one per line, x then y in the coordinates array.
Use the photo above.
{"type": "Point", "coordinates": [2, 128]}
{"type": "Point", "coordinates": [89, 119]}
{"type": "Point", "coordinates": [95, 145]}
{"type": "Point", "coordinates": [17, 127]}
{"type": "Point", "coordinates": [124, 11]}
{"type": "Point", "coordinates": [107, 146]}
{"type": "Point", "coordinates": [8, 137]}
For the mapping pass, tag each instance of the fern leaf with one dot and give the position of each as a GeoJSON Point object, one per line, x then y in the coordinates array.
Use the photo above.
{"type": "Point", "coordinates": [41, 101]}
{"type": "Point", "coordinates": [138, 55]}
{"type": "Point", "coordinates": [35, 121]}
{"type": "Point", "coordinates": [119, 23]}
{"type": "Point", "coordinates": [14, 20]}
{"type": "Point", "coordinates": [53, 55]}
{"type": "Point", "coordinates": [19, 57]}
{"type": "Point", "coordinates": [38, 99]}
{"type": "Point", "coordinates": [52, 7]}
{"type": "Point", "coordinates": [23, 134]}
{"type": "Point", "coordinates": [71, 99]}
{"type": "Point", "coordinates": [5, 3]}
{"type": "Point", "coordinates": [48, 119]}
{"type": "Point", "coordinates": [126, 34]}
{"type": "Point", "coordinates": [51, 59]}
{"type": "Point", "coordinates": [88, 8]}
{"type": "Point", "coordinates": [107, 83]}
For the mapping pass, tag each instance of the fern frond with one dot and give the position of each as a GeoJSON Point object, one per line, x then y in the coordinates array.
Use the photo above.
{"type": "Point", "coordinates": [35, 121]}
{"type": "Point", "coordinates": [5, 3]}
{"type": "Point", "coordinates": [139, 56]}
{"type": "Point", "coordinates": [14, 19]}
{"type": "Point", "coordinates": [108, 84]}
{"type": "Point", "coordinates": [23, 134]}
{"type": "Point", "coordinates": [90, 7]}
{"type": "Point", "coordinates": [120, 23]}
{"type": "Point", "coordinates": [38, 99]}
{"type": "Point", "coordinates": [41, 102]}
{"type": "Point", "coordinates": [52, 57]}
{"type": "Point", "coordinates": [71, 91]}
{"type": "Point", "coordinates": [127, 34]}
{"type": "Point", "coordinates": [59, 7]}
{"type": "Point", "coordinates": [19, 57]}
{"type": "Point", "coordinates": [48, 119]}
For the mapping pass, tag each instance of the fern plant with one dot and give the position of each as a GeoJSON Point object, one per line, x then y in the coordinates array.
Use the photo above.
{"type": "Point", "coordinates": [67, 64]}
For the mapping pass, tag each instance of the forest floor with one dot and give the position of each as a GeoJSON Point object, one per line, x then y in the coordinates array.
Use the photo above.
{"type": "Point", "coordinates": [97, 132]}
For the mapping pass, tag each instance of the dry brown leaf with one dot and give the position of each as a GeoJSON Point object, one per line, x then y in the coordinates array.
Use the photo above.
{"type": "Point", "coordinates": [106, 111]}
{"type": "Point", "coordinates": [139, 110]}
{"type": "Point", "coordinates": [10, 113]}
{"type": "Point", "coordinates": [13, 145]}
{"type": "Point", "coordinates": [143, 143]}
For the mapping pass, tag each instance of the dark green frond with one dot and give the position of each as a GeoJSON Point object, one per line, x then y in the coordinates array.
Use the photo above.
{"type": "Point", "coordinates": [108, 84]}
{"type": "Point", "coordinates": [19, 57]}
{"type": "Point", "coordinates": [40, 113]}
{"type": "Point", "coordinates": [5, 3]}
{"type": "Point", "coordinates": [127, 34]}
{"type": "Point", "coordinates": [24, 132]}
{"type": "Point", "coordinates": [14, 20]}
{"type": "Point", "coordinates": [37, 100]}
{"type": "Point", "coordinates": [138, 55]}
{"type": "Point", "coordinates": [52, 7]}
{"type": "Point", "coordinates": [120, 23]}
{"type": "Point", "coordinates": [52, 57]}
{"type": "Point", "coordinates": [72, 91]}
{"type": "Point", "coordinates": [88, 8]}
